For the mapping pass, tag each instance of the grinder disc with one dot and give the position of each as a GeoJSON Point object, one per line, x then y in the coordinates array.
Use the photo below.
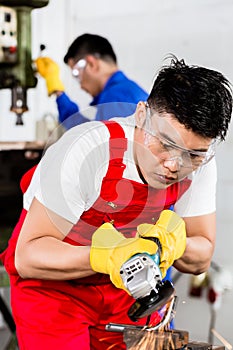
{"type": "Point", "coordinates": [154, 301]}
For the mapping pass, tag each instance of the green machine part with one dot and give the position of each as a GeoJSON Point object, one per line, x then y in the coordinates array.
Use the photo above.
{"type": "Point", "coordinates": [17, 69]}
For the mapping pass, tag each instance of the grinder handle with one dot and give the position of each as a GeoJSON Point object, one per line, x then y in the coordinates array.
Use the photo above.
{"type": "Point", "coordinates": [155, 257]}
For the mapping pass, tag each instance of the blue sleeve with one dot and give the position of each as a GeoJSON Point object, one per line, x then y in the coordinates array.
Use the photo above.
{"type": "Point", "coordinates": [119, 100]}
{"type": "Point", "coordinates": [66, 107]}
{"type": "Point", "coordinates": [73, 120]}
{"type": "Point", "coordinates": [69, 115]}
{"type": "Point", "coordinates": [168, 276]}
{"type": "Point", "coordinates": [109, 110]}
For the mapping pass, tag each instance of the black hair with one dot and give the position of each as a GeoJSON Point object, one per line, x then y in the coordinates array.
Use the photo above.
{"type": "Point", "coordinates": [199, 98]}
{"type": "Point", "coordinates": [90, 44]}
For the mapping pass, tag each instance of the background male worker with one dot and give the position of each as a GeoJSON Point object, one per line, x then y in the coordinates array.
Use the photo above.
{"type": "Point", "coordinates": [94, 63]}
{"type": "Point", "coordinates": [96, 197]}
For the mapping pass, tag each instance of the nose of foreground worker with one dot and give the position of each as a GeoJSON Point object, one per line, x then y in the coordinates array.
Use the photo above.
{"type": "Point", "coordinates": [172, 164]}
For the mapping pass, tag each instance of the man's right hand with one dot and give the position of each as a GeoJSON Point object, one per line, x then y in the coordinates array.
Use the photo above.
{"type": "Point", "coordinates": [171, 233]}
{"type": "Point", "coordinates": [110, 250]}
{"type": "Point", "coordinates": [50, 71]}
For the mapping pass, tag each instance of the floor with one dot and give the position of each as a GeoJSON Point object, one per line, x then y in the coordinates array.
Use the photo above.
{"type": "Point", "coordinates": [5, 338]}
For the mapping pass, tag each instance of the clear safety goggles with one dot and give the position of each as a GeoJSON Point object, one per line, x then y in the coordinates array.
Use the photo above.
{"type": "Point", "coordinates": [168, 150]}
{"type": "Point", "coordinates": [80, 65]}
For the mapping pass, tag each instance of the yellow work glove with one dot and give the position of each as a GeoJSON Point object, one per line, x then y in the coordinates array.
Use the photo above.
{"type": "Point", "coordinates": [50, 71]}
{"type": "Point", "coordinates": [110, 250]}
{"type": "Point", "coordinates": [171, 233]}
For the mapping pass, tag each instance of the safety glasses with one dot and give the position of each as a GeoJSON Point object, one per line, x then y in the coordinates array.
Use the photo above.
{"type": "Point", "coordinates": [168, 150]}
{"type": "Point", "coordinates": [80, 65]}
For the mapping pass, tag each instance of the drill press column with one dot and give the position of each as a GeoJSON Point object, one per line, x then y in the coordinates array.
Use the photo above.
{"type": "Point", "coordinates": [16, 72]}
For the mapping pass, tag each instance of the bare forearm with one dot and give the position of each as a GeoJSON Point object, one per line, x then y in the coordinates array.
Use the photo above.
{"type": "Point", "coordinates": [50, 258]}
{"type": "Point", "coordinates": [197, 256]}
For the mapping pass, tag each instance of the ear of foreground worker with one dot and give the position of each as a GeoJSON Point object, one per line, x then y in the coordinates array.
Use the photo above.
{"type": "Point", "coordinates": [50, 71]}
{"type": "Point", "coordinates": [171, 232]}
{"type": "Point", "coordinates": [110, 250]}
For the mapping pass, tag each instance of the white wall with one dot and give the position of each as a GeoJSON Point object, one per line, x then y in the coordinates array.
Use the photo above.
{"type": "Point", "coordinates": [143, 33]}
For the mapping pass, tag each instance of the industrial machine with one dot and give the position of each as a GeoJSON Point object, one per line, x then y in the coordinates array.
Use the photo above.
{"type": "Point", "coordinates": [16, 71]}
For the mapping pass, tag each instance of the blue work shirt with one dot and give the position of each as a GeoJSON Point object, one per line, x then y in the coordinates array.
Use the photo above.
{"type": "Point", "coordinates": [117, 89]}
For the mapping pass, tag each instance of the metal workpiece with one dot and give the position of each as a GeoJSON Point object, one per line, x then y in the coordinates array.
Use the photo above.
{"type": "Point", "coordinates": [195, 345]}
{"type": "Point", "coordinates": [159, 340]}
{"type": "Point", "coordinates": [164, 340]}
{"type": "Point", "coordinates": [149, 338]}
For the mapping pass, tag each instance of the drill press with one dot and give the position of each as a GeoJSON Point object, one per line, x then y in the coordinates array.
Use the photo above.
{"type": "Point", "coordinates": [16, 72]}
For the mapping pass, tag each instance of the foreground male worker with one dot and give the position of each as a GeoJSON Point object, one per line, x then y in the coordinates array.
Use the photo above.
{"type": "Point", "coordinates": [99, 185]}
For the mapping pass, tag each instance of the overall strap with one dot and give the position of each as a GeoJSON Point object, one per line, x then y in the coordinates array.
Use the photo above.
{"type": "Point", "coordinates": [117, 148]}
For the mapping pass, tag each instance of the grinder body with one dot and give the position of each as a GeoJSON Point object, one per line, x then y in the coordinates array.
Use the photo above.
{"type": "Point", "coordinates": [141, 274]}
{"type": "Point", "coordinates": [142, 278]}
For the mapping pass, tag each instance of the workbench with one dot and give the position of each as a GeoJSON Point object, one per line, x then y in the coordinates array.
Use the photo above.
{"type": "Point", "coordinates": [15, 159]}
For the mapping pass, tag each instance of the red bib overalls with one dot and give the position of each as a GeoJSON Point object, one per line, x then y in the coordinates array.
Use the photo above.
{"type": "Point", "coordinates": [71, 315]}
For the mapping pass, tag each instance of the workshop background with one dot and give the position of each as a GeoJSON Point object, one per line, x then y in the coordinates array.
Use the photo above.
{"type": "Point", "coordinates": [142, 33]}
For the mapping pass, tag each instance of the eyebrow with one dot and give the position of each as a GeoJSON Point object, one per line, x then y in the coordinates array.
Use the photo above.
{"type": "Point", "coordinates": [166, 137]}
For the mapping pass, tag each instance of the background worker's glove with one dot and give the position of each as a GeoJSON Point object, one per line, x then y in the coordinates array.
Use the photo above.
{"type": "Point", "coordinates": [110, 250]}
{"type": "Point", "coordinates": [171, 233]}
{"type": "Point", "coordinates": [50, 71]}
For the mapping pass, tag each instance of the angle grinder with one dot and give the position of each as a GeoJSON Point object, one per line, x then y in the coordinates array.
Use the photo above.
{"type": "Point", "coordinates": [142, 278]}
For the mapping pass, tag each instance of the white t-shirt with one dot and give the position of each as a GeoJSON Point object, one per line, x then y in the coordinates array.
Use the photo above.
{"type": "Point", "coordinates": [69, 177]}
